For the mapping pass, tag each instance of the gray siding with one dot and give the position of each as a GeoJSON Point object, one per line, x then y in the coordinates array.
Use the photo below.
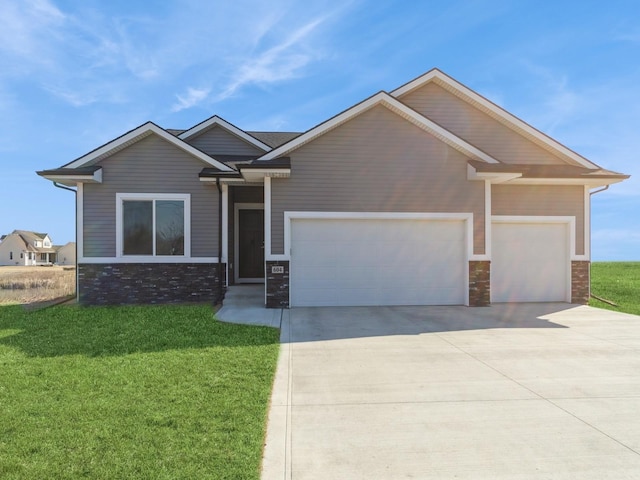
{"type": "Point", "coordinates": [151, 165]}
{"type": "Point", "coordinates": [556, 200]}
{"type": "Point", "coordinates": [218, 140]}
{"type": "Point", "coordinates": [476, 127]}
{"type": "Point", "coordinates": [377, 162]}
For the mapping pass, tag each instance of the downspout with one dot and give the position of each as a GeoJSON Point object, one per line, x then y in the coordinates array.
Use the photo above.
{"type": "Point", "coordinates": [56, 184]}
{"type": "Point", "coordinates": [606, 187]}
{"type": "Point", "coordinates": [220, 289]}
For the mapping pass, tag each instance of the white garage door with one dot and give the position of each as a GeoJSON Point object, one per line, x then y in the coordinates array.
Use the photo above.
{"type": "Point", "coordinates": [530, 262]}
{"type": "Point", "coordinates": [350, 262]}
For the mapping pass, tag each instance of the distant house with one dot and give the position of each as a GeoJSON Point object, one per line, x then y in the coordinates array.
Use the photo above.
{"type": "Point", "coordinates": [66, 254]}
{"type": "Point", "coordinates": [22, 247]}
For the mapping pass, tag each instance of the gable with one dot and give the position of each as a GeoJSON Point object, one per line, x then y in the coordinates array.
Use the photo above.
{"type": "Point", "coordinates": [478, 128]}
{"type": "Point", "coordinates": [377, 162]}
{"type": "Point", "coordinates": [217, 140]}
{"type": "Point", "coordinates": [393, 105]}
{"type": "Point", "coordinates": [150, 157]}
{"type": "Point", "coordinates": [134, 136]}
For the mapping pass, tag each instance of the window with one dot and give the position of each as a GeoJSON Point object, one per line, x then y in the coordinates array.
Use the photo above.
{"type": "Point", "coordinates": [152, 224]}
{"type": "Point", "coordinates": [21, 255]}
{"type": "Point", "coordinates": [10, 255]}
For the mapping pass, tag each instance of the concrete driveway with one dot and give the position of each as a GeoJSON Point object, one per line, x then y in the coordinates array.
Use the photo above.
{"type": "Point", "coordinates": [509, 391]}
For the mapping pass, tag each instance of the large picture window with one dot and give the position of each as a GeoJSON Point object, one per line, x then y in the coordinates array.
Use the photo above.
{"type": "Point", "coordinates": [152, 225]}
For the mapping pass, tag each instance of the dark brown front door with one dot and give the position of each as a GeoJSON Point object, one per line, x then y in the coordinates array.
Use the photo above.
{"type": "Point", "coordinates": [250, 244]}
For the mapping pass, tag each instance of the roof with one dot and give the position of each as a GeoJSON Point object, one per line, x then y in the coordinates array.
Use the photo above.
{"type": "Point", "coordinates": [28, 238]}
{"type": "Point", "coordinates": [277, 146]}
{"type": "Point", "coordinates": [221, 122]}
{"type": "Point", "coordinates": [272, 139]}
{"type": "Point", "coordinates": [275, 139]}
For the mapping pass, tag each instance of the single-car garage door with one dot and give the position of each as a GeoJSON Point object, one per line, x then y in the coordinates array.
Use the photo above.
{"type": "Point", "coordinates": [351, 262]}
{"type": "Point", "coordinates": [529, 262]}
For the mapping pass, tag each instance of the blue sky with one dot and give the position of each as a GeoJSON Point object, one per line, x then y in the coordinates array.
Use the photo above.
{"type": "Point", "coordinates": [78, 73]}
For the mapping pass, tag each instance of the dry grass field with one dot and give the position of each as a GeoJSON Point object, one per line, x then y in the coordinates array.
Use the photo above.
{"type": "Point", "coordinates": [27, 285]}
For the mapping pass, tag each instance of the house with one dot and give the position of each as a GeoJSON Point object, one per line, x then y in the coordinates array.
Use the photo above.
{"type": "Point", "coordinates": [66, 254]}
{"type": "Point", "coordinates": [427, 194]}
{"type": "Point", "coordinates": [23, 247]}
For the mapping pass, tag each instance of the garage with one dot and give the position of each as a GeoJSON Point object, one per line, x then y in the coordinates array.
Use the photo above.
{"type": "Point", "coordinates": [372, 261]}
{"type": "Point", "coordinates": [530, 262]}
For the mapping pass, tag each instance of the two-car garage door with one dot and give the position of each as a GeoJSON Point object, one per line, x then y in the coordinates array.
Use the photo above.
{"type": "Point", "coordinates": [369, 261]}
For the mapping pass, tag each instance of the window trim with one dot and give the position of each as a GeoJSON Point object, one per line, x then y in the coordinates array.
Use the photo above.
{"type": "Point", "coordinates": [121, 197]}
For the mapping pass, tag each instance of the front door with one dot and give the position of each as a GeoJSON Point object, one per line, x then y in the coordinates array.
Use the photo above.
{"type": "Point", "coordinates": [250, 267]}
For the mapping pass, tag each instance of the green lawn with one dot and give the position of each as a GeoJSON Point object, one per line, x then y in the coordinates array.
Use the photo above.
{"type": "Point", "coordinates": [618, 282]}
{"type": "Point", "coordinates": [152, 392]}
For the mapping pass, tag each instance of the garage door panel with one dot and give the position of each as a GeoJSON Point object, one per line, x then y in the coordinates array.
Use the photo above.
{"type": "Point", "coordinates": [377, 262]}
{"type": "Point", "coordinates": [530, 262]}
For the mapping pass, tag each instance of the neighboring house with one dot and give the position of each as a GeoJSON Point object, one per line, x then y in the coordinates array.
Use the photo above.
{"type": "Point", "coordinates": [22, 247]}
{"type": "Point", "coordinates": [428, 194]}
{"type": "Point", "coordinates": [66, 254]}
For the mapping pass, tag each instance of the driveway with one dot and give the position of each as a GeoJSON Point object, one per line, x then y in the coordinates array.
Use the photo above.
{"type": "Point", "coordinates": [508, 391]}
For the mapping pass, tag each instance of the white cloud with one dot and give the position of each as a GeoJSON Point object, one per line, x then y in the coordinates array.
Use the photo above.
{"type": "Point", "coordinates": [278, 63]}
{"type": "Point", "coordinates": [192, 97]}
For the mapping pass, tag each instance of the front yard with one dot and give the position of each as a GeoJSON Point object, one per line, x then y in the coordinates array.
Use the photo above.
{"type": "Point", "coordinates": [618, 282]}
{"type": "Point", "coordinates": [132, 392]}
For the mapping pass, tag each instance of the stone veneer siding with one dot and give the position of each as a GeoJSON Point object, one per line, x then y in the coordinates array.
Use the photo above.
{"type": "Point", "coordinates": [277, 285]}
{"type": "Point", "coordinates": [580, 281]}
{"type": "Point", "coordinates": [479, 283]}
{"type": "Point", "coordinates": [145, 283]}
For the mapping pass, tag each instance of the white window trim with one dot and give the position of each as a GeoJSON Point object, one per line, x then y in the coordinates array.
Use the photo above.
{"type": "Point", "coordinates": [185, 197]}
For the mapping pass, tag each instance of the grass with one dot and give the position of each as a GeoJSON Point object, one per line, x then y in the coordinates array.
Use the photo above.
{"type": "Point", "coordinates": [26, 285]}
{"type": "Point", "coordinates": [160, 392]}
{"type": "Point", "coordinates": [618, 282]}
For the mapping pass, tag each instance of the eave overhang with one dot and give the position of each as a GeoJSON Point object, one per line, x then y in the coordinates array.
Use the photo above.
{"type": "Point", "coordinates": [73, 176]}
{"type": "Point", "coordinates": [542, 174]}
{"type": "Point", "coordinates": [254, 172]}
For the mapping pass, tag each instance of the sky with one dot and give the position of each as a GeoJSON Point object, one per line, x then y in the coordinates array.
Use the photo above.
{"type": "Point", "coordinates": [75, 74]}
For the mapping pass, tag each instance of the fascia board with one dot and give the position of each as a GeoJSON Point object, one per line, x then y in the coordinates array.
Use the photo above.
{"type": "Point", "coordinates": [71, 180]}
{"type": "Point", "coordinates": [591, 182]}
{"type": "Point", "coordinates": [139, 133]}
{"type": "Point", "coordinates": [216, 120]}
{"type": "Point", "coordinates": [382, 98]}
{"type": "Point", "coordinates": [493, 110]}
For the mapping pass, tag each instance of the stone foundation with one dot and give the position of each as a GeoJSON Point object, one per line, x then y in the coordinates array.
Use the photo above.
{"type": "Point", "coordinates": [479, 283]}
{"type": "Point", "coordinates": [277, 284]}
{"type": "Point", "coordinates": [580, 281]}
{"type": "Point", "coordinates": [148, 283]}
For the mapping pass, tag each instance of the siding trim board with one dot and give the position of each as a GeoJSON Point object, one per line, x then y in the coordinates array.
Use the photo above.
{"type": "Point", "coordinates": [137, 259]}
